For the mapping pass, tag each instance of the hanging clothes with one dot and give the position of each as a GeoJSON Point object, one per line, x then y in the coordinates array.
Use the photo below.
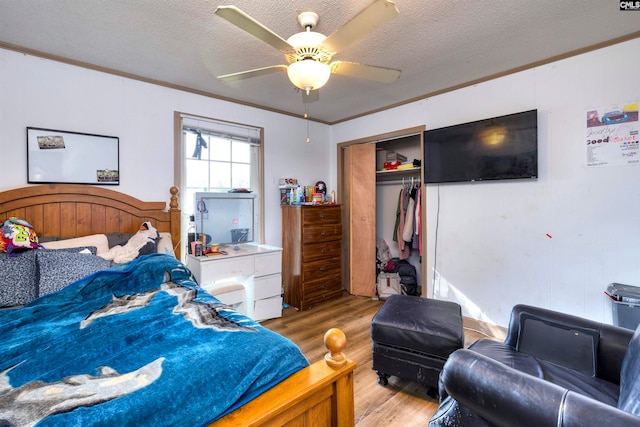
{"type": "Point", "coordinates": [407, 233]}
{"type": "Point", "coordinates": [418, 219]}
{"type": "Point", "coordinates": [404, 249]}
{"type": "Point", "coordinates": [401, 218]}
{"type": "Point", "coordinates": [397, 224]}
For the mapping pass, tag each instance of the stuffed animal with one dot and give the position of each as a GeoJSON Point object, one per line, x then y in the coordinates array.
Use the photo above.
{"type": "Point", "coordinates": [144, 242]}
{"type": "Point", "coordinates": [17, 236]}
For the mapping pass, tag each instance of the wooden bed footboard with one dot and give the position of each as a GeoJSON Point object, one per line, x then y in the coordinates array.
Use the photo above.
{"type": "Point", "coordinates": [320, 395]}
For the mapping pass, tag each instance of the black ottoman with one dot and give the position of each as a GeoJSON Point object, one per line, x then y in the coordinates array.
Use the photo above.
{"type": "Point", "coordinates": [413, 337]}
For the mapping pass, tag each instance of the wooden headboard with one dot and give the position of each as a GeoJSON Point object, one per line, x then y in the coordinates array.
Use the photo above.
{"type": "Point", "coordinates": [72, 210]}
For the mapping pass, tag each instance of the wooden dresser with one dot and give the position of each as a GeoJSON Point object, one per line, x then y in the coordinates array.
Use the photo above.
{"type": "Point", "coordinates": [311, 254]}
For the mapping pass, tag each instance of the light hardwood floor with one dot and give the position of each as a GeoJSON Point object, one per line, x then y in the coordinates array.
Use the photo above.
{"type": "Point", "coordinates": [400, 403]}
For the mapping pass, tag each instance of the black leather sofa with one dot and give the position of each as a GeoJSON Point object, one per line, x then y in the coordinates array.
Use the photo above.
{"type": "Point", "coordinates": [553, 369]}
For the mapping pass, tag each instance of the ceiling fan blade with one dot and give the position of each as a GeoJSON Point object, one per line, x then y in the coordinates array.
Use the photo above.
{"type": "Point", "coordinates": [372, 17]}
{"type": "Point", "coordinates": [251, 73]}
{"type": "Point", "coordinates": [313, 96]}
{"type": "Point", "coordinates": [240, 19]}
{"type": "Point", "coordinates": [369, 72]}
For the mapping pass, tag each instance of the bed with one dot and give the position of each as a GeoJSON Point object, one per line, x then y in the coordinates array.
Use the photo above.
{"type": "Point", "coordinates": [131, 378]}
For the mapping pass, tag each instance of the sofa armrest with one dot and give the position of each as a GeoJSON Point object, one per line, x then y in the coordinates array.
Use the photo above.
{"type": "Point", "coordinates": [611, 345]}
{"type": "Point", "coordinates": [506, 397]}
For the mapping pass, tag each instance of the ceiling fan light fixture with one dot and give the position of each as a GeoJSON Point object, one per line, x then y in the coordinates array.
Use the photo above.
{"type": "Point", "coordinates": [306, 38]}
{"type": "Point", "coordinates": [308, 74]}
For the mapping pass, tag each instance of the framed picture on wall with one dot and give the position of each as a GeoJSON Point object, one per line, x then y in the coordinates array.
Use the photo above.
{"type": "Point", "coordinates": [55, 156]}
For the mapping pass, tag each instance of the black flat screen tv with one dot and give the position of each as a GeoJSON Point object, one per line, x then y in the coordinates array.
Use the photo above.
{"type": "Point", "coordinates": [504, 147]}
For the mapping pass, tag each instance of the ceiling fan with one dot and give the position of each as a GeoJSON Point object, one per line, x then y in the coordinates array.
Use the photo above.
{"type": "Point", "coordinates": [309, 53]}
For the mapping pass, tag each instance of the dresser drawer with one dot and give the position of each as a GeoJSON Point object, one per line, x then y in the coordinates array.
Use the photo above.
{"type": "Point", "coordinates": [317, 288]}
{"type": "Point", "coordinates": [269, 308]}
{"type": "Point", "coordinates": [322, 268]}
{"type": "Point", "coordinates": [321, 233]}
{"type": "Point", "coordinates": [321, 215]}
{"type": "Point", "coordinates": [267, 286]}
{"type": "Point", "coordinates": [322, 250]}
{"type": "Point", "coordinates": [270, 263]}
{"type": "Point", "coordinates": [211, 271]}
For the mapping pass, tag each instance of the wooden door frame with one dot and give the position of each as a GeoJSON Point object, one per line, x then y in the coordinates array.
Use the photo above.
{"type": "Point", "coordinates": [417, 130]}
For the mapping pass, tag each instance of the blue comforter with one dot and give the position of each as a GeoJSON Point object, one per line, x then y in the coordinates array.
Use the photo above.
{"type": "Point", "coordinates": [138, 344]}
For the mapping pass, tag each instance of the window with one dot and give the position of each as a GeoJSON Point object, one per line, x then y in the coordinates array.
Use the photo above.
{"type": "Point", "coordinates": [217, 156]}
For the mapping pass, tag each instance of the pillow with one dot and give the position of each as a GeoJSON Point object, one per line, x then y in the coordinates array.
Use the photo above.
{"type": "Point", "coordinates": [98, 240]}
{"type": "Point", "coordinates": [18, 279]}
{"type": "Point", "coordinates": [43, 239]}
{"type": "Point", "coordinates": [165, 244]}
{"type": "Point", "coordinates": [57, 269]}
{"type": "Point", "coordinates": [17, 236]}
{"type": "Point", "coordinates": [118, 239]}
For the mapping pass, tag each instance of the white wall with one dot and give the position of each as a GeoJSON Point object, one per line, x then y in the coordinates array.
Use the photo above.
{"type": "Point", "coordinates": [41, 93]}
{"type": "Point", "coordinates": [492, 245]}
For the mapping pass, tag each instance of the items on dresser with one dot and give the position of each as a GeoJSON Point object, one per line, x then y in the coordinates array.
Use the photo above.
{"type": "Point", "coordinates": [292, 193]}
{"type": "Point", "coordinates": [311, 257]}
{"type": "Point", "coordinates": [255, 267]}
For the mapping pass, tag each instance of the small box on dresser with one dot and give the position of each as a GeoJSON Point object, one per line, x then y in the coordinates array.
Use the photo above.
{"type": "Point", "coordinates": [311, 255]}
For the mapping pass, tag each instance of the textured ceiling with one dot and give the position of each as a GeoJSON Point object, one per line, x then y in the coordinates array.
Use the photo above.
{"type": "Point", "coordinates": [437, 44]}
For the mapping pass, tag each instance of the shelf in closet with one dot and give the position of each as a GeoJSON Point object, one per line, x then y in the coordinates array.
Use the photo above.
{"type": "Point", "coordinates": [388, 175]}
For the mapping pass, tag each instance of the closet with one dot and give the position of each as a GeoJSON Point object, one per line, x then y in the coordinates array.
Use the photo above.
{"type": "Point", "coordinates": [370, 200]}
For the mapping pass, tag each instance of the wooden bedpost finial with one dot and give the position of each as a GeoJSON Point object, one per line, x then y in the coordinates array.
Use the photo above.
{"type": "Point", "coordinates": [335, 341]}
{"type": "Point", "coordinates": [173, 202]}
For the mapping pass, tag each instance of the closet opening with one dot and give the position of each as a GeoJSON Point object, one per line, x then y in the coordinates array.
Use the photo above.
{"type": "Point", "coordinates": [370, 194]}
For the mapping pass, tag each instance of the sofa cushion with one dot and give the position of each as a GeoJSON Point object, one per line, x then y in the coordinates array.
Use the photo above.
{"type": "Point", "coordinates": [629, 400]}
{"type": "Point", "coordinates": [570, 379]}
{"type": "Point", "coordinates": [541, 338]}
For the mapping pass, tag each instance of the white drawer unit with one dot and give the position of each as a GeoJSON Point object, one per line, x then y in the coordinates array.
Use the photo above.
{"type": "Point", "coordinates": [258, 268]}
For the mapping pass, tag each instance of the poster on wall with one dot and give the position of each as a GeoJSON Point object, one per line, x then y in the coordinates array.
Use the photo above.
{"type": "Point", "coordinates": [612, 135]}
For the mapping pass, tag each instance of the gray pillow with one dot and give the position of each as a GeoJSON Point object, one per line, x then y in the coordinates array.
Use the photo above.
{"type": "Point", "coordinates": [115, 239]}
{"type": "Point", "coordinates": [57, 269]}
{"type": "Point", "coordinates": [18, 279]}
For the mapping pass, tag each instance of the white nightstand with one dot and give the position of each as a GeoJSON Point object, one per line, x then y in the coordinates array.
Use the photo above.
{"type": "Point", "coordinates": [258, 268]}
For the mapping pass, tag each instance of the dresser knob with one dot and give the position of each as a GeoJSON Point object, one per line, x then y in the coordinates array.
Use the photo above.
{"type": "Point", "coordinates": [323, 216]}
{"type": "Point", "coordinates": [323, 250]}
{"type": "Point", "coordinates": [324, 233]}
{"type": "Point", "coordinates": [323, 287]}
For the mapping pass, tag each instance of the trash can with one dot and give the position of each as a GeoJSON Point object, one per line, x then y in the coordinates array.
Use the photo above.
{"type": "Point", "coordinates": [239, 235]}
{"type": "Point", "coordinates": [626, 304]}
